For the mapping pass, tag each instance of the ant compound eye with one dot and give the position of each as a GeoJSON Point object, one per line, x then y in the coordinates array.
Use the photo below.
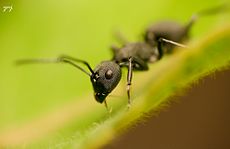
{"type": "Point", "coordinates": [108, 74]}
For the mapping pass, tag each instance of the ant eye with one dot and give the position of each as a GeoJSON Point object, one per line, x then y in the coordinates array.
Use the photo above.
{"type": "Point", "coordinates": [108, 74]}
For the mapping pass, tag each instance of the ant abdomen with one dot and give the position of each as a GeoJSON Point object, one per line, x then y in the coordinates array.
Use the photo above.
{"type": "Point", "coordinates": [166, 29]}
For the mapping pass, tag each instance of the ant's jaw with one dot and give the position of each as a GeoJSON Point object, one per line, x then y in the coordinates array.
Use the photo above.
{"type": "Point", "coordinates": [100, 97]}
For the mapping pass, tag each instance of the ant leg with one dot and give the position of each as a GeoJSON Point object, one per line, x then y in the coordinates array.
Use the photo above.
{"type": "Point", "coordinates": [163, 40]}
{"type": "Point", "coordinates": [137, 64]}
{"type": "Point", "coordinates": [106, 106]}
{"type": "Point", "coordinates": [142, 65]}
{"type": "Point", "coordinates": [190, 23]}
{"type": "Point", "coordinates": [129, 79]}
{"type": "Point", "coordinates": [159, 48]}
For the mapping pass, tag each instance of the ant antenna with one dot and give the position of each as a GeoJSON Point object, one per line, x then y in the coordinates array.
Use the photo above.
{"type": "Point", "coordinates": [60, 59]}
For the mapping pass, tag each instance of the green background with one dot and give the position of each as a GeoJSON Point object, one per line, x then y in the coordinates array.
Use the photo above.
{"type": "Point", "coordinates": [82, 29]}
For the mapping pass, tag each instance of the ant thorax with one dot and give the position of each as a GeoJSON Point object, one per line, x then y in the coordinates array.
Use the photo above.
{"type": "Point", "coordinates": [140, 50]}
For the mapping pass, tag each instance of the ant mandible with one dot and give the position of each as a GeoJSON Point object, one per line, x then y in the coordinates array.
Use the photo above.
{"type": "Point", "coordinates": [158, 39]}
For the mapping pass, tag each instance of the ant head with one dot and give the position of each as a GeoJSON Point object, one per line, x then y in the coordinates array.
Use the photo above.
{"type": "Point", "coordinates": [105, 78]}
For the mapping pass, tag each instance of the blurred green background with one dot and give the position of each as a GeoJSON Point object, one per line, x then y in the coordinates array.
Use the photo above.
{"type": "Point", "coordinates": [80, 28]}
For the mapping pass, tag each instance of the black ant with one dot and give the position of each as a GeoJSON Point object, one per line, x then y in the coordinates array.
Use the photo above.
{"type": "Point", "coordinates": [159, 39]}
{"type": "Point", "coordinates": [107, 74]}
{"type": "Point", "coordinates": [134, 56]}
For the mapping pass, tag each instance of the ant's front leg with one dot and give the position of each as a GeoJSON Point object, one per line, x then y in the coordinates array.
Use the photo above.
{"type": "Point", "coordinates": [141, 65]}
{"type": "Point", "coordinates": [107, 108]}
{"type": "Point", "coordinates": [129, 79]}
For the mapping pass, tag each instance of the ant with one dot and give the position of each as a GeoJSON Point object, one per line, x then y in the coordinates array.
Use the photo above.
{"type": "Point", "coordinates": [158, 39]}
{"type": "Point", "coordinates": [106, 76]}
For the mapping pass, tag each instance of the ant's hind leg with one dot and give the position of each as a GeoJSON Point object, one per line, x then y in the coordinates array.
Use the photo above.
{"type": "Point", "coordinates": [161, 40]}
